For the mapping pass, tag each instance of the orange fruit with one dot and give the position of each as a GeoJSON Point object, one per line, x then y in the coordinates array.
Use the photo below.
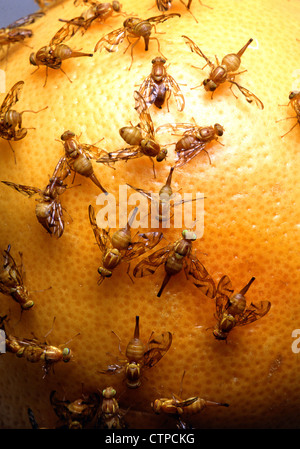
{"type": "Point", "coordinates": [251, 219]}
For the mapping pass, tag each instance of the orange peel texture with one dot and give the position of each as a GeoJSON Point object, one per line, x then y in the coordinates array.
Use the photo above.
{"type": "Point", "coordinates": [251, 219]}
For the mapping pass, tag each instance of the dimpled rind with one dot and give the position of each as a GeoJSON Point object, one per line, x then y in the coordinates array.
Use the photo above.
{"type": "Point", "coordinates": [251, 220]}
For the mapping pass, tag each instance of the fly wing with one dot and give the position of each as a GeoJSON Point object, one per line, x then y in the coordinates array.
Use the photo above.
{"type": "Point", "coordinates": [186, 155]}
{"type": "Point", "coordinates": [158, 347]}
{"type": "Point", "coordinates": [203, 280]}
{"type": "Point", "coordinates": [101, 235]}
{"type": "Point", "coordinates": [25, 190]}
{"type": "Point", "coordinates": [178, 95]}
{"type": "Point", "coordinates": [195, 49]}
{"type": "Point", "coordinates": [124, 154]}
{"type": "Point", "coordinates": [148, 91]}
{"type": "Point", "coordinates": [250, 97]}
{"type": "Point", "coordinates": [11, 98]}
{"type": "Point", "coordinates": [150, 264]}
{"type": "Point", "coordinates": [146, 123]}
{"type": "Point", "coordinates": [144, 243]}
{"type": "Point", "coordinates": [253, 313]}
{"type": "Point", "coordinates": [162, 18]}
{"type": "Point", "coordinates": [111, 41]}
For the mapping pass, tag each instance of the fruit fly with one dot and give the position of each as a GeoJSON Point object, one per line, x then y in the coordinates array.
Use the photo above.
{"type": "Point", "coordinates": [176, 406]}
{"type": "Point", "coordinates": [34, 351]}
{"type": "Point", "coordinates": [158, 86]}
{"type": "Point", "coordinates": [139, 357]}
{"type": "Point", "coordinates": [231, 311]}
{"type": "Point", "coordinates": [195, 139]}
{"type": "Point", "coordinates": [49, 211]}
{"type": "Point", "coordinates": [12, 282]}
{"type": "Point", "coordinates": [97, 11]}
{"type": "Point", "coordinates": [224, 72]}
{"type": "Point", "coordinates": [78, 157]}
{"type": "Point", "coordinates": [165, 5]}
{"type": "Point", "coordinates": [53, 54]}
{"type": "Point", "coordinates": [120, 247]}
{"type": "Point", "coordinates": [135, 28]}
{"type": "Point", "coordinates": [165, 200]}
{"type": "Point", "coordinates": [175, 257]}
{"type": "Point", "coordinates": [76, 414]}
{"type": "Point", "coordinates": [141, 139]}
{"type": "Point", "coordinates": [11, 120]}
{"type": "Point", "coordinates": [13, 35]}
{"type": "Point", "coordinates": [294, 98]}
{"type": "Point", "coordinates": [111, 416]}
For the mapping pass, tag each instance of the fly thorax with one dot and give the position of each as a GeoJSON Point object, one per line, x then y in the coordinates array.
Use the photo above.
{"type": "Point", "coordinates": [227, 323]}
{"type": "Point", "coordinates": [83, 165]}
{"type": "Point", "coordinates": [237, 304]}
{"type": "Point", "coordinates": [52, 354]}
{"type": "Point", "coordinates": [20, 294]}
{"type": "Point", "coordinates": [182, 247]}
{"type": "Point", "coordinates": [71, 148]}
{"type": "Point", "coordinates": [12, 119]}
{"type": "Point", "coordinates": [111, 259]}
{"type": "Point", "coordinates": [231, 62]}
{"type": "Point", "coordinates": [206, 134]}
{"type": "Point", "coordinates": [219, 74]}
{"type": "Point", "coordinates": [133, 374]}
{"type": "Point", "coordinates": [149, 147]}
{"type": "Point", "coordinates": [162, 154]}
{"type": "Point", "coordinates": [121, 239]}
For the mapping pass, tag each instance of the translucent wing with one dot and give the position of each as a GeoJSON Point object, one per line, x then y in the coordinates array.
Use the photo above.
{"type": "Point", "coordinates": [26, 20]}
{"type": "Point", "coordinates": [124, 154]}
{"type": "Point", "coordinates": [148, 91]}
{"type": "Point", "coordinates": [158, 347]}
{"type": "Point", "coordinates": [224, 292]}
{"type": "Point", "coordinates": [186, 155]}
{"type": "Point", "coordinates": [203, 280]}
{"type": "Point", "coordinates": [162, 18]}
{"type": "Point", "coordinates": [177, 128]}
{"type": "Point", "coordinates": [142, 192]}
{"type": "Point", "coordinates": [149, 265]}
{"type": "Point", "coordinates": [178, 95]}
{"type": "Point", "coordinates": [163, 5]}
{"type": "Point", "coordinates": [195, 49]}
{"type": "Point", "coordinates": [25, 190]}
{"type": "Point", "coordinates": [101, 235]}
{"type": "Point", "coordinates": [63, 34]}
{"type": "Point", "coordinates": [91, 151]}
{"type": "Point", "coordinates": [250, 97]}
{"type": "Point", "coordinates": [253, 313]}
{"type": "Point", "coordinates": [111, 41]}
{"type": "Point", "coordinates": [146, 123]}
{"type": "Point", "coordinates": [11, 98]}
{"type": "Point", "coordinates": [144, 243]}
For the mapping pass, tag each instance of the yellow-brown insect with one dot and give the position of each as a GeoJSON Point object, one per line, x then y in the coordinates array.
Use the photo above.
{"type": "Point", "coordinates": [11, 120]}
{"type": "Point", "coordinates": [10, 36]}
{"type": "Point", "coordinates": [164, 201]}
{"type": "Point", "coordinates": [76, 414]}
{"type": "Point", "coordinates": [111, 416]}
{"type": "Point", "coordinates": [141, 139]}
{"type": "Point", "coordinates": [175, 257]}
{"type": "Point", "coordinates": [34, 351]}
{"type": "Point", "coordinates": [120, 246]}
{"type": "Point", "coordinates": [294, 98]}
{"type": "Point", "coordinates": [26, 20]}
{"type": "Point", "coordinates": [231, 311]}
{"type": "Point", "coordinates": [194, 141]}
{"type": "Point", "coordinates": [133, 27]}
{"type": "Point", "coordinates": [97, 11]}
{"type": "Point", "coordinates": [139, 357]}
{"type": "Point", "coordinates": [183, 408]}
{"type": "Point", "coordinates": [159, 85]}
{"type": "Point", "coordinates": [53, 54]}
{"type": "Point", "coordinates": [48, 211]}
{"type": "Point", "coordinates": [78, 157]}
{"type": "Point", "coordinates": [165, 5]}
{"type": "Point", "coordinates": [12, 281]}
{"type": "Point", "coordinates": [224, 72]}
